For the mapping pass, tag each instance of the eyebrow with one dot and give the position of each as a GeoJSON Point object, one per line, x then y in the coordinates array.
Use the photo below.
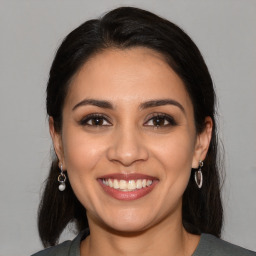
{"type": "Point", "coordinates": [161, 102]}
{"type": "Point", "coordinates": [144, 105]}
{"type": "Point", "coordinates": [94, 102]}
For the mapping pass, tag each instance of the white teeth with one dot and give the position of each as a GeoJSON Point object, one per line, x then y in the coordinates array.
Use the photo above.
{"type": "Point", "coordinates": [122, 184]}
{"type": "Point", "coordinates": [129, 185]}
{"type": "Point", "coordinates": [149, 182]}
{"type": "Point", "coordinates": [116, 184]}
{"type": "Point", "coordinates": [138, 184]}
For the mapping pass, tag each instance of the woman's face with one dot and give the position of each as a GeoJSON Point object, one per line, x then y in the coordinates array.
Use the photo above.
{"type": "Point", "coordinates": [128, 139]}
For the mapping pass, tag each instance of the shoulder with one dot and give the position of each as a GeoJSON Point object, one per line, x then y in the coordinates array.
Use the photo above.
{"type": "Point", "coordinates": [58, 250]}
{"type": "Point", "coordinates": [67, 248]}
{"type": "Point", "coordinates": [211, 245]}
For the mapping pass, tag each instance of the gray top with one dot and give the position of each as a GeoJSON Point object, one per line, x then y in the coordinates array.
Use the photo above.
{"type": "Point", "coordinates": [209, 245]}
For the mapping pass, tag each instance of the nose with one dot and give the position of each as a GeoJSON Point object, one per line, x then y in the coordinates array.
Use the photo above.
{"type": "Point", "coordinates": [127, 147]}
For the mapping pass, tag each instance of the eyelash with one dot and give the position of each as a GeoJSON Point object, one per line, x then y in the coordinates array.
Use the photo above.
{"type": "Point", "coordinates": [163, 117]}
{"type": "Point", "coordinates": [154, 117]}
{"type": "Point", "coordinates": [91, 117]}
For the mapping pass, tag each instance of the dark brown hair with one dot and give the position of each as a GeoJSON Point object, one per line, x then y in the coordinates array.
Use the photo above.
{"type": "Point", "coordinates": [123, 28]}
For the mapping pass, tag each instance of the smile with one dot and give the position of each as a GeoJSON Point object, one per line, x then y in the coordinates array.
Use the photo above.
{"type": "Point", "coordinates": [127, 185]}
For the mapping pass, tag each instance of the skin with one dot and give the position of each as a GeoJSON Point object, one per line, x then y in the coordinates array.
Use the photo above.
{"type": "Point", "coordinates": [127, 141]}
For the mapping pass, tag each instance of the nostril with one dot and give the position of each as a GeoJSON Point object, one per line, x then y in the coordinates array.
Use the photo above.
{"type": "Point", "coordinates": [127, 151]}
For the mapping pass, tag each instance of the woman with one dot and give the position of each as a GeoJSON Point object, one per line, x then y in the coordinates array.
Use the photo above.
{"type": "Point", "coordinates": [131, 110]}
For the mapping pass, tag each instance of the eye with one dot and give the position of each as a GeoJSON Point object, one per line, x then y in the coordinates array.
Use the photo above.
{"type": "Point", "coordinates": [160, 120]}
{"type": "Point", "coordinates": [95, 120]}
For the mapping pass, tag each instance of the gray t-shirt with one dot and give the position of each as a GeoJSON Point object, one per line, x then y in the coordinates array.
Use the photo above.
{"type": "Point", "coordinates": [209, 245]}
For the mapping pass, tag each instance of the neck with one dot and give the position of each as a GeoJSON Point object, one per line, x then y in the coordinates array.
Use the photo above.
{"type": "Point", "coordinates": [165, 238]}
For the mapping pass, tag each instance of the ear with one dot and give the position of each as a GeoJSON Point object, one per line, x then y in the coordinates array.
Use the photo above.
{"type": "Point", "coordinates": [202, 142]}
{"type": "Point", "coordinates": [57, 143]}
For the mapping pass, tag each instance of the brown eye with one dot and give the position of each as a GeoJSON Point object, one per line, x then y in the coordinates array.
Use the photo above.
{"type": "Point", "coordinates": [95, 120]}
{"type": "Point", "coordinates": [161, 120]}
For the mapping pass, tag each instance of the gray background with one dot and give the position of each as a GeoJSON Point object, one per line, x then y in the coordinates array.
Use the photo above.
{"type": "Point", "coordinates": [30, 32]}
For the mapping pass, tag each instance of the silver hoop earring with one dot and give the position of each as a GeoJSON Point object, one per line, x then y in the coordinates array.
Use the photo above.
{"type": "Point", "coordinates": [62, 179]}
{"type": "Point", "coordinates": [199, 175]}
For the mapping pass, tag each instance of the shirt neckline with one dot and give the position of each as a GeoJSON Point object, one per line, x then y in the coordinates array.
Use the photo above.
{"type": "Point", "coordinates": [75, 245]}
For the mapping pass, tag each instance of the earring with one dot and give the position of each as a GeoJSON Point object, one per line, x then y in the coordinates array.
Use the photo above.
{"type": "Point", "coordinates": [62, 179]}
{"type": "Point", "coordinates": [199, 175]}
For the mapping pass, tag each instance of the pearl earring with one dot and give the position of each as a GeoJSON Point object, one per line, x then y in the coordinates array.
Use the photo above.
{"type": "Point", "coordinates": [199, 175]}
{"type": "Point", "coordinates": [62, 179]}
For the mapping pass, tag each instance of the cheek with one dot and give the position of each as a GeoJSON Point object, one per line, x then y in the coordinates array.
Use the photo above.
{"type": "Point", "coordinates": [83, 155]}
{"type": "Point", "coordinates": [81, 152]}
{"type": "Point", "coordinates": [175, 154]}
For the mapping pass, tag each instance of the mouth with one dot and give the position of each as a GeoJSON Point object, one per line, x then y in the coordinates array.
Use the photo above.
{"type": "Point", "coordinates": [130, 185]}
{"type": "Point", "coordinates": [127, 186]}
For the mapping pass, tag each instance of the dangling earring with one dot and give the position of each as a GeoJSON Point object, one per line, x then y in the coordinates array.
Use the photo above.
{"type": "Point", "coordinates": [199, 175]}
{"type": "Point", "coordinates": [62, 179]}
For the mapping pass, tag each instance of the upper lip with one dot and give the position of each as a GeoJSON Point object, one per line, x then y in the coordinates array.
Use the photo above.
{"type": "Point", "coordinates": [128, 176]}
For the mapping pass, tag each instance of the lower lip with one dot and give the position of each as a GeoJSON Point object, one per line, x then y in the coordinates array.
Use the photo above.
{"type": "Point", "coordinates": [127, 195]}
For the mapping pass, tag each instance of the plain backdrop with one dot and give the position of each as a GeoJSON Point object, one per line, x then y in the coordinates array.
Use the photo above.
{"type": "Point", "coordinates": [30, 32]}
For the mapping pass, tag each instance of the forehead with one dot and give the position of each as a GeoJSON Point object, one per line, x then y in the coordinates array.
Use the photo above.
{"type": "Point", "coordinates": [137, 74]}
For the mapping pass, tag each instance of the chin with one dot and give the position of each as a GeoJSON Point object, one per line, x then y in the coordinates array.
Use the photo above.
{"type": "Point", "coordinates": [127, 229]}
{"type": "Point", "coordinates": [130, 223]}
